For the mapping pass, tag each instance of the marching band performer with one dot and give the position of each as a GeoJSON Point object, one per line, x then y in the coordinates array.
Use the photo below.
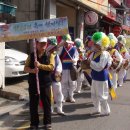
{"type": "Point", "coordinates": [56, 76]}
{"type": "Point", "coordinates": [69, 57]}
{"type": "Point", "coordinates": [117, 59]}
{"type": "Point", "coordinates": [80, 48]}
{"type": "Point", "coordinates": [99, 63]}
{"type": "Point", "coordinates": [125, 54]}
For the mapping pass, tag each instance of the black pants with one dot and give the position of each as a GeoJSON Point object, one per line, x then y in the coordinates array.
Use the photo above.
{"type": "Point", "coordinates": [45, 97]}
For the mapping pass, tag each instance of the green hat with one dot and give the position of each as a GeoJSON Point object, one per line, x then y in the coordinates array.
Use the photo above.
{"type": "Point", "coordinates": [66, 37]}
{"type": "Point", "coordinates": [78, 42]}
{"type": "Point", "coordinates": [101, 39]}
{"type": "Point", "coordinates": [97, 37]}
{"type": "Point", "coordinates": [52, 40]}
{"type": "Point", "coordinates": [113, 39]}
{"type": "Point", "coordinates": [121, 39]}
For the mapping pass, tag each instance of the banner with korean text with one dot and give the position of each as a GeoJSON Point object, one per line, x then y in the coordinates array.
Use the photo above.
{"type": "Point", "coordinates": [33, 29]}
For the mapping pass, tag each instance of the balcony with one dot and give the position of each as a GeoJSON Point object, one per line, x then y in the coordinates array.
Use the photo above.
{"type": "Point", "coordinates": [7, 9]}
{"type": "Point", "coordinates": [115, 3]}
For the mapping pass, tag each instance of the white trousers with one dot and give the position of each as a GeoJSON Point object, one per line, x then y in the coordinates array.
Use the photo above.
{"type": "Point", "coordinates": [79, 81]}
{"type": "Point", "coordinates": [121, 76]}
{"type": "Point", "coordinates": [68, 86]}
{"type": "Point", "coordinates": [58, 96]}
{"type": "Point", "coordinates": [114, 79]}
{"type": "Point", "coordinates": [99, 95]}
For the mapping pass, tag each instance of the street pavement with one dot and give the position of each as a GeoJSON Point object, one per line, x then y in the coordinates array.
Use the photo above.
{"type": "Point", "coordinates": [79, 114]}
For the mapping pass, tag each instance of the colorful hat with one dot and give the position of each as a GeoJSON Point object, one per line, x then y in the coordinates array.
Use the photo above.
{"type": "Point", "coordinates": [52, 43]}
{"type": "Point", "coordinates": [121, 39]}
{"type": "Point", "coordinates": [66, 37]}
{"type": "Point", "coordinates": [101, 39]}
{"type": "Point", "coordinates": [89, 38]}
{"type": "Point", "coordinates": [79, 44]}
{"type": "Point", "coordinates": [52, 40]}
{"type": "Point", "coordinates": [113, 39]}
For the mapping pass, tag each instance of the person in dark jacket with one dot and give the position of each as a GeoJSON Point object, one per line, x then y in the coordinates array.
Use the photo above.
{"type": "Point", "coordinates": [43, 66]}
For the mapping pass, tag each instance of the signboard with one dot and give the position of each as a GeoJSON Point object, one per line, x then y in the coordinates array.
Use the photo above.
{"type": "Point", "coordinates": [91, 18]}
{"type": "Point", "coordinates": [98, 5]}
{"type": "Point", "coordinates": [33, 29]}
{"type": "Point", "coordinates": [119, 18]}
{"type": "Point", "coordinates": [127, 19]}
{"type": "Point", "coordinates": [111, 13]}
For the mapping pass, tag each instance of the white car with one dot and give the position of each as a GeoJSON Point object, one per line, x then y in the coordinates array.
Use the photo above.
{"type": "Point", "coordinates": [14, 62]}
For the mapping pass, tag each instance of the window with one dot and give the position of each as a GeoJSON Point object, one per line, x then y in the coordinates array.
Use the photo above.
{"type": "Point", "coordinates": [6, 1]}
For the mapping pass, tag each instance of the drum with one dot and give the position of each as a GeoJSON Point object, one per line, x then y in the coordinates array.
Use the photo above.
{"type": "Point", "coordinates": [73, 73]}
{"type": "Point", "coordinates": [115, 64]}
{"type": "Point", "coordinates": [58, 78]}
{"type": "Point", "coordinates": [126, 65]}
{"type": "Point", "coordinates": [85, 64]}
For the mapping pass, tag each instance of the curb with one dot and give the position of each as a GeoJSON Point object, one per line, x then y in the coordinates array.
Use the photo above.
{"type": "Point", "coordinates": [127, 79]}
{"type": "Point", "coordinates": [9, 95]}
{"type": "Point", "coordinates": [16, 108]}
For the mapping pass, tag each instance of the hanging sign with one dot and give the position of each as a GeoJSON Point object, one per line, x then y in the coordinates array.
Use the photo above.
{"type": "Point", "coordinates": [33, 29]}
{"type": "Point", "coordinates": [91, 18]}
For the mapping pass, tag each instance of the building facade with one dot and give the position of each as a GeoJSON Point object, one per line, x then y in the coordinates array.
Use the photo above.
{"type": "Point", "coordinates": [84, 16]}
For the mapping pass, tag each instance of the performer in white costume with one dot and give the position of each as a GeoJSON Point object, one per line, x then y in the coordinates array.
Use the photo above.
{"type": "Point", "coordinates": [81, 51]}
{"type": "Point", "coordinates": [69, 57]}
{"type": "Point", "coordinates": [117, 59]}
{"type": "Point", "coordinates": [100, 62]}
{"type": "Point", "coordinates": [126, 57]}
{"type": "Point", "coordinates": [56, 77]}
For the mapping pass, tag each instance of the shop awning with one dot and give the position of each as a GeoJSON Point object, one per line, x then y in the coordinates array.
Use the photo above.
{"type": "Point", "coordinates": [6, 8]}
{"type": "Point", "coordinates": [127, 28]}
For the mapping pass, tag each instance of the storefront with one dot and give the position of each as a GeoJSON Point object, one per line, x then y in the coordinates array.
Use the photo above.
{"type": "Point", "coordinates": [94, 12]}
{"type": "Point", "coordinates": [65, 10]}
{"type": "Point", "coordinates": [7, 12]}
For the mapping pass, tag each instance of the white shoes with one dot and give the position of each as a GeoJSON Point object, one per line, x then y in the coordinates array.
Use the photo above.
{"type": "Point", "coordinates": [78, 91]}
{"type": "Point", "coordinates": [61, 113]}
{"type": "Point", "coordinates": [72, 100]}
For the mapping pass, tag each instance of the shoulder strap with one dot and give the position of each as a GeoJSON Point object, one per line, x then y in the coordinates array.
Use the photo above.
{"type": "Point", "coordinates": [96, 55]}
{"type": "Point", "coordinates": [66, 53]}
{"type": "Point", "coordinates": [113, 52]}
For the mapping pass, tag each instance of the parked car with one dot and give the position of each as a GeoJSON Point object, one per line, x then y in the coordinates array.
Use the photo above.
{"type": "Point", "coordinates": [14, 62]}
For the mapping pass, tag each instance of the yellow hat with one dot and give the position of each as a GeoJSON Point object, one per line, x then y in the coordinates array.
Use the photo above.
{"type": "Point", "coordinates": [101, 39]}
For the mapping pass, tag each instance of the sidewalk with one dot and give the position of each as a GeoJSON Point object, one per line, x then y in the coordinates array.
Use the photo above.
{"type": "Point", "coordinates": [13, 96]}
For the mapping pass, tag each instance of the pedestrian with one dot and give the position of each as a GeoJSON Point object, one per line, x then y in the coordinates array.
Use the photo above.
{"type": "Point", "coordinates": [56, 77]}
{"type": "Point", "coordinates": [44, 66]}
{"type": "Point", "coordinates": [100, 62]}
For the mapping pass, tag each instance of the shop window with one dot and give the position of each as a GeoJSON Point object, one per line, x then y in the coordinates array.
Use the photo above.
{"type": "Point", "coordinates": [71, 32]}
